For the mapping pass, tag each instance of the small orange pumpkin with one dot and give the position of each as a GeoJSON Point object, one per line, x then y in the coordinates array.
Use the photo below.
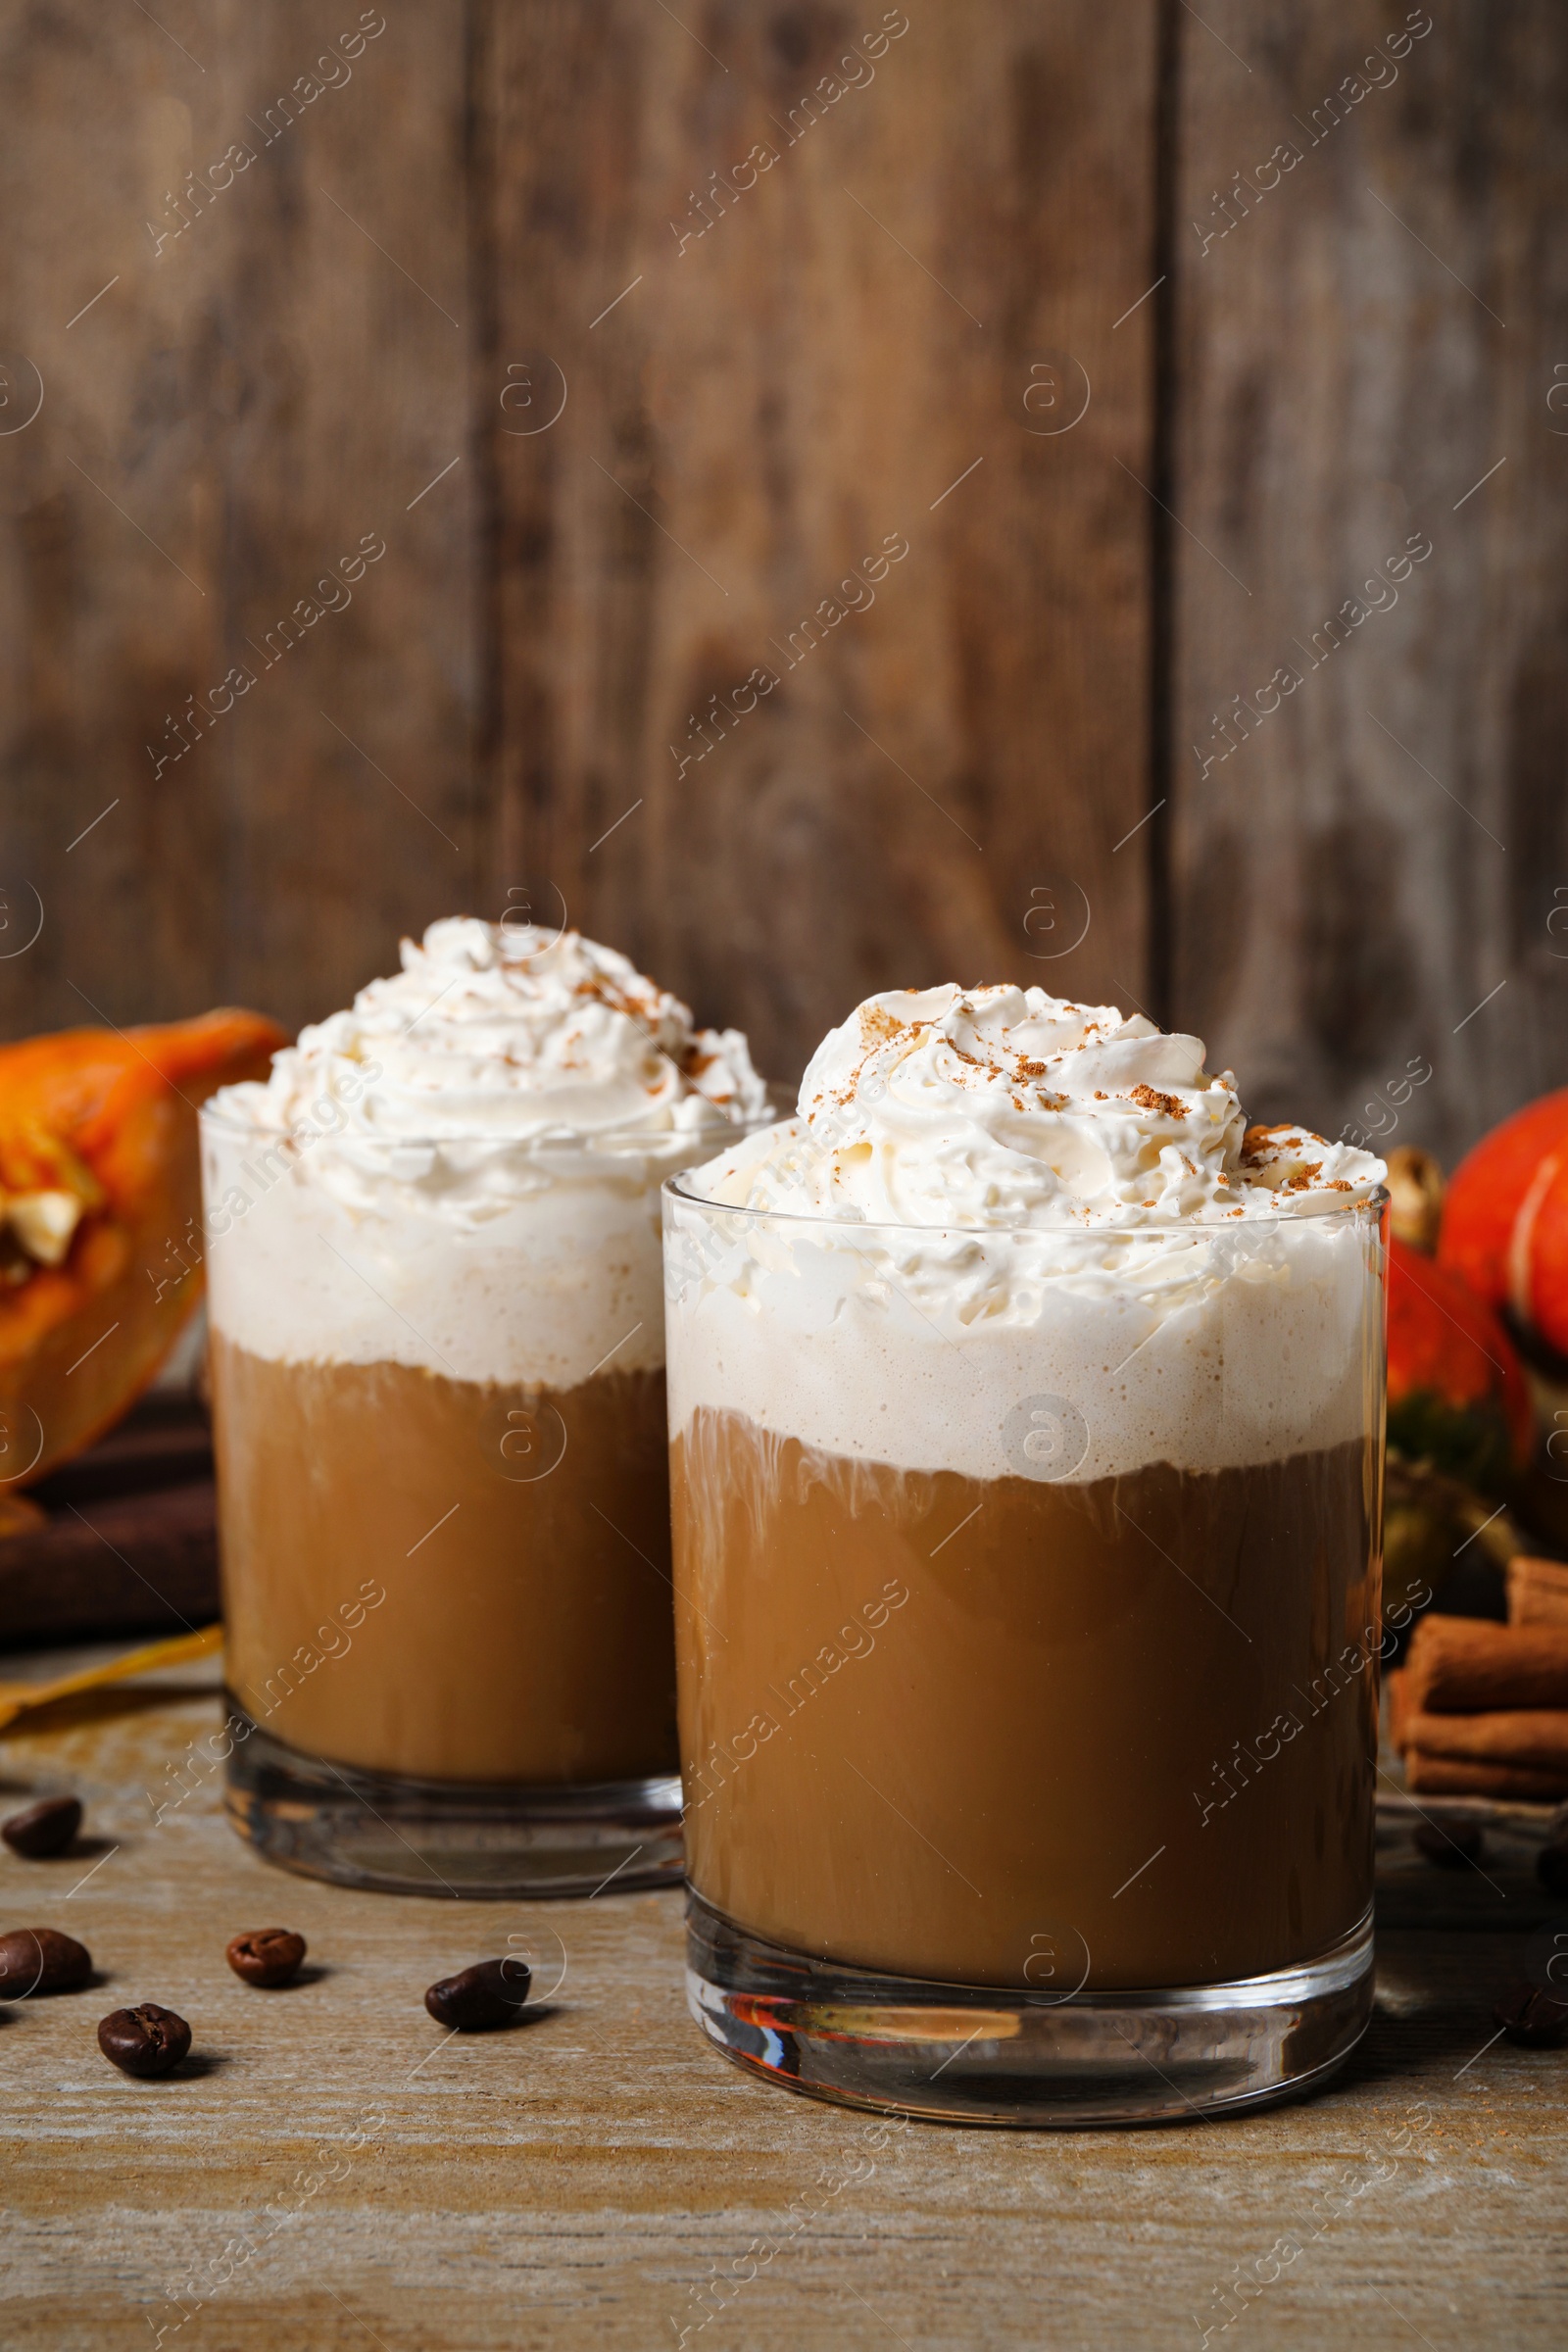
{"type": "Point", "coordinates": [1506, 1219]}
{"type": "Point", "coordinates": [1458, 1393]}
{"type": "Point", "coordinates": [99, 1204]}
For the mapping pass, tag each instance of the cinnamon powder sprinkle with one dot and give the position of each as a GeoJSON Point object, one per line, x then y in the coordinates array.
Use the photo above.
{"type": "Point", "coordinates": [1258, 1144]}
{"type": "Point", "coordinates": [878, 1024]}
{"type": "Point", "coordinates": [1149, 1100]}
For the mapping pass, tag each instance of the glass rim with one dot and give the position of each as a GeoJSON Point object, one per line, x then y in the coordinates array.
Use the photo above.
{"type": "Point", "coordinates": [560, 1136]}
{"type": "Point", "coordinates": [1371, 1208]}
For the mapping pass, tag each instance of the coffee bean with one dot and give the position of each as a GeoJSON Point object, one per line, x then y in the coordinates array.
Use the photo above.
{"type": "Point", "coordinates": [490, 1994]}
{"type": "Point", "coordinates": [267, 1955]}
{"type": "Point", "coordinates": [1533, 2017]}
{"type": "Point", "coordinates": [1551, 1865]}
{"type": "Point", "coordinates": [1457, 1846]}
{"type": "Point", "coordinates": [41, 1960]}
{"type": "Point", "coordinates": [144, 2040]}
{"type": "Point", "coordinates": [46, 1827]}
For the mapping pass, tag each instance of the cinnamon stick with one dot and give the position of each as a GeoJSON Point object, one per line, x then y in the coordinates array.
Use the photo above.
{"type": "Point", "coordinates": [1399, 1708]}
{"type": "Point", "coordinates": [1530, 1738]}
{"type": "Point", "coordinates": [1538, 1591]}
{"type": "Point", "coordinates": [1467, 1665]}
{"type": "Point", "coordinates": [1466, 1776]}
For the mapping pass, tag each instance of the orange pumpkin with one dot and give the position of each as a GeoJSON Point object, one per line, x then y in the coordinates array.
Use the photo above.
{"type": "Point", "coordinates": [100, 1216]}
{"type": "Point", "coordinates": [1458, 1393]}
{"type": "Point", "coordinates": [1506, 1219]}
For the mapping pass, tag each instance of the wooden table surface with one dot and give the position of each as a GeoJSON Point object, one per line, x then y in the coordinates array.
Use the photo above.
{"type": "Point", "coordinates": [332, 2171]}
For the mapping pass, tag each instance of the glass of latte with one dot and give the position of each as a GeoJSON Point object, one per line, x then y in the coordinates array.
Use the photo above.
{"type": "Point", "coordinates": [1027, 1416]}
{"type": "Point", "coordinates": [438, 1393]}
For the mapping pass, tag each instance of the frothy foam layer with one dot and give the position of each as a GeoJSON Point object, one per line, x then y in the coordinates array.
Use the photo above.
{"type": "Point", "coordinates": [544, 1291]}
{"type": "Point", "coordinates": [1020, 1237]}
{"type": "Point", "coordinates": [461, 1171]}
{"type": "Point", "coordinates": [1029, 1354]}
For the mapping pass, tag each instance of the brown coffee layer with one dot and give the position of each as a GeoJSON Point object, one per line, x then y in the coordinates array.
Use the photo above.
{"type": "Point", "coordinates": [523, 1630]}
{"type": "Point", "coordinates": [1013, 1732]}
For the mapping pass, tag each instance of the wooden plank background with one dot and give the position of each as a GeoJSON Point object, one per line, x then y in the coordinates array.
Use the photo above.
{"type": "Point", "coordinates": [795, 308]}
{"type": "Point", "coordinates": [1368, 342]}
{"type": "Point", "coordinates": [802, 378]}
{"type": "Point", "coordinates": [246, 402]}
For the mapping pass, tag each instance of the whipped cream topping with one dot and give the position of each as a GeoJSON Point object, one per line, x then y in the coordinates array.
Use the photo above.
{"type": "Point", "coordinates": [1005, 1213]}
{"type": "Point", "coordinates": [1007, 1108]}
{"type": "Point", "coordinates": [490, 1030]}
{"type": "Point", "coordinates": [461, 1171]}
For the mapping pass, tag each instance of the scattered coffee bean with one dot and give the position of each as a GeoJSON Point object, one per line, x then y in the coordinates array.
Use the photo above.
{"type": "Point", "coordinates": [1534, 2017]}
{"type": "Point", "coordinates": [267, 1955]}
{"type": "Point", "coordinates": [1551, 1864]}
{"type": "Point", "coordinates": [41, 1960]}
{"type": "Point", "coordinates": [1457, 1846]}
{"type": "Point", "coordinates": [46, 1827]}
{"type": "Point", "coordinates": [144, 2040]}
{"type": "Point", "coordinates": [490, 1994]}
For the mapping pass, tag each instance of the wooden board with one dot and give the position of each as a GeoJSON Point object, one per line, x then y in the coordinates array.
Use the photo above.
{"type": "Point", "coordinates": [1371, 877]}
{"type": "Point", "coordinates": [939, 780]}
{"type": "Point", "coordinates": [771, 374]}
{"type": "Point", "coordinates": [346, 318]}
{"type": "Point", "coordinates": [273, 365]}
{"type": "Point", "coordinates": [110, 533]}
{"type": "Point", "coordinates": [756, 396]}
{"type": "Point", "coordinates": [584, 2181]}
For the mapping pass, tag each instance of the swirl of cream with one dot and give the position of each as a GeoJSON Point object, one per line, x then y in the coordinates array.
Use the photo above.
{"type": "Point", "coordinates": [1007, 1108]}
{"type": "Point", "coordinates": [490, 1031]}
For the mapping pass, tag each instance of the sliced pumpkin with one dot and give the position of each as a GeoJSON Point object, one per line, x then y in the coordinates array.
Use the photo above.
{"type": "Point", "coordinates": [101, 1261]}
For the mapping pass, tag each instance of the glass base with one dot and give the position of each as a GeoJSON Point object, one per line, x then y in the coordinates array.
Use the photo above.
{"type": "Point", "coordinates": [972, 2054]}
{"type": "Point", "coordinates": [487, 1841]}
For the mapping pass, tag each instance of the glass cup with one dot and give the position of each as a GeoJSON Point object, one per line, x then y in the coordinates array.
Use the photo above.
{"type": "Point", "coordinates": [438, 1394]}
{"type": "Point", "coordinates": [1027, 1625]}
